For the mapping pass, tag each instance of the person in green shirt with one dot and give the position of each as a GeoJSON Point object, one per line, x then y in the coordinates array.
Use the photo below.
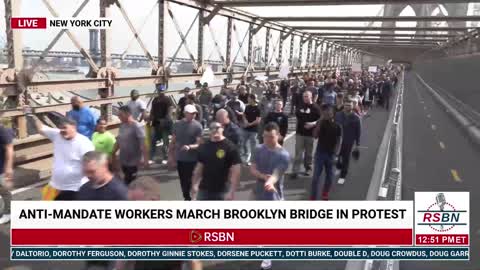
{"type": "Point", "coordinates": [102, 139]}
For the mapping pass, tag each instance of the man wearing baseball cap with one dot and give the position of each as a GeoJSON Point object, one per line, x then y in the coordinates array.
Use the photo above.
{"type": "Point", "coordinates": [186, 138]}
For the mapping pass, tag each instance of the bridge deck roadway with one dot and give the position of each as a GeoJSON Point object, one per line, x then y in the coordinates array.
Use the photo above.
{"type": "Point", "coordinates": [433, 147]}
{"type": "Point", "coordinates": [355, 189]}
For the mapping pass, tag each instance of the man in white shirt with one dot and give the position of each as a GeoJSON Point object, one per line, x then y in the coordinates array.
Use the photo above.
{"type": "Point", "coordinates": [69, 146]}
{"type": "Point", "coordinates": [137, 106]}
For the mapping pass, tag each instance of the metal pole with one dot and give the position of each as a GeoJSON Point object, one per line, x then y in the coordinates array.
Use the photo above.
{"type": "Point", "coordinates": [300, 53]}
{"type": "Point", "coordinates": [280, 50]}
{"type": "Point", "coordinates": [322, 52]}
{"type": "Point", "coordinates": [309, 50]}
{"type": "Point", "coordinates": [292, 45]}
{"type": "Point", "coordinates": [15, 61]}
{"type": "Point", "coordinates": [105, 36]}
{"type": "Point", "coordinates": [330, 59]}
{"type": "Point", "coordinates": [267, 48]}
{"type": "Point", "coordinates": [228, 53]}
{"type": "Point", "coordinates": [106, 61]}
{"type": "Point", "coordinates": [201, 27]}
{"type": "Point", "coordinates": [250, 45]}
{"type": "Point", "coordinates": [14, 37]}
{"type": "Point", "coordinates": [161, 33]}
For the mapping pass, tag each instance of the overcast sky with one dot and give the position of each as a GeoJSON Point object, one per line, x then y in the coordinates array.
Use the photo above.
{"type": "Point", "coordinates": [138, 10]}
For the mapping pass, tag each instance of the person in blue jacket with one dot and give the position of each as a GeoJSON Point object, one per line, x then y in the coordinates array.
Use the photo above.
{"type": "Point", "coordinates": [84, 116]}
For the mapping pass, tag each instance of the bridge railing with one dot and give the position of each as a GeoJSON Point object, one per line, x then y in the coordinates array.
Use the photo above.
{"type": "Point", "coordinates": [386, 181]}
{"type": "Point", "coordinates": [84, 84]}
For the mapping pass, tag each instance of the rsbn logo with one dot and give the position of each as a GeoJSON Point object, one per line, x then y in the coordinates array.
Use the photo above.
{"type": "Point", "coordinates": [441, 216]}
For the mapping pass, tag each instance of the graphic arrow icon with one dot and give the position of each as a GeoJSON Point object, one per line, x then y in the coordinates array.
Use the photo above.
{"type": "Point", "coordinates": [195, 237]}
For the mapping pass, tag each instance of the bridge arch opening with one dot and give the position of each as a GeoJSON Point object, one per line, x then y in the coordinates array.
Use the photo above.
{"type": "Point", "coordinates": [440, 11]}
{"type": "Point", "coordinates": [406, 11]}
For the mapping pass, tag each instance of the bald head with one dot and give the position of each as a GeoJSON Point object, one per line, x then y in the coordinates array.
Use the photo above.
{"type": "Point", "coordinates": [222, 117]}
{"type": "Point", "coordinates": [76, 103]}
{"type": "Point", "coordinates": [307, 97]}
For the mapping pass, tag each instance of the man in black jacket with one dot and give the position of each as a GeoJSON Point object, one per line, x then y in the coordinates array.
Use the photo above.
{"type": "Point", "coordinates": [307, 115]}
{"type": "Point", "coordinates": [329, 135]}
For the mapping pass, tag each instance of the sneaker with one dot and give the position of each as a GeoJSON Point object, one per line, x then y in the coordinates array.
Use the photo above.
{"type": "Point", "coordinates": [293, 176]}
{"type": "Point", "coordinates": [307, 173]}
{"type": "Point", "coordinates": [266, 265]}
{"type": "Point", "coordinates": [151, 162]}
{"type": "Point", "coordinates": [341, 181]}
{"type": "Point", "coordinates": [5, 219]}
{"type": "Point", "coordinates": [325, 196]}
{"type": "Point", "coordinates": [164, 162]}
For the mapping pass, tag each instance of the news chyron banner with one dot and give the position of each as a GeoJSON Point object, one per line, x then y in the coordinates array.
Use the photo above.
{"type": "Point", "coordinates": [243, 230]}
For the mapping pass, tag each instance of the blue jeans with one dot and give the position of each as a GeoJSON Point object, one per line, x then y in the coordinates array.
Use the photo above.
{"type": "Point", "coordinates": [249, 139]}
{"type": "Point", "coordinates": [322, 159]}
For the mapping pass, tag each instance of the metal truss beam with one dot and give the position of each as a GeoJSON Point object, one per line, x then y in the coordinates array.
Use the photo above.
{"type": "Point", "coordinates": [375, 28]}
{"type": "Point", "coordinates": [233, 13]}
{"type": "Point", "coordinates": [212, 14]}
{"type": "Point", "coordinates": [285, 36]}
{"type": "Point", "coordinates": [341, 34]}
{"type": "Point", "coordinates": [201, 28]}
{"type": "Point", "coordinates": [74, 40]}
{"type": "Point", "coordinates": [58, 36]}
{"type": "Point", "coordinates": [375, 19]}
{"type": "Point", "coordinates": [387, 41]}
{"type": "Point", "coordinates": [239, 15]}
{"type": "Point", "coordinates": [256, 29]}
{"type": "Point", "coordinates": [162, 15]}
{"type": "Point", "coordinates": [256, 3]}
{"type": "Point", "coordinates": [369, 46]}
{"type": "Point", "coordinates": [340, 39]}
{"type": "Point", "coordinates": [406, 45]}
{"type": "Point", "coordinates": [240, 44]}
{"type": "Point", "coordinates": [228, 49]}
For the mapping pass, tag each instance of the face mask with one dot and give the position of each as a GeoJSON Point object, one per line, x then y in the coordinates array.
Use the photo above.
{"type": "Point", "coordinates": [76, 107]}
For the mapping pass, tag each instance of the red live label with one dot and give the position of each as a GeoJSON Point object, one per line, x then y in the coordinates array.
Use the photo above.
{"type": "Point", "coordinates": [28, 23]}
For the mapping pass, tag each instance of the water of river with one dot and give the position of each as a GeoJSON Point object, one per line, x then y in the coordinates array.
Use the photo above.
{"type": "Point", "coordinates": [119, 91]}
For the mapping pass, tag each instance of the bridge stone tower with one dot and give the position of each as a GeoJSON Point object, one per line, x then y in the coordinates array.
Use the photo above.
{"type": "Point", "coordinates": [426, 10]}
{"type": "Point", "coordinates": [95, 45]}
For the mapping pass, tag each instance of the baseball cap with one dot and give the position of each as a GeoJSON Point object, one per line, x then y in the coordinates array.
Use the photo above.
{"type": "Point", "coordinates": [190, 108]}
